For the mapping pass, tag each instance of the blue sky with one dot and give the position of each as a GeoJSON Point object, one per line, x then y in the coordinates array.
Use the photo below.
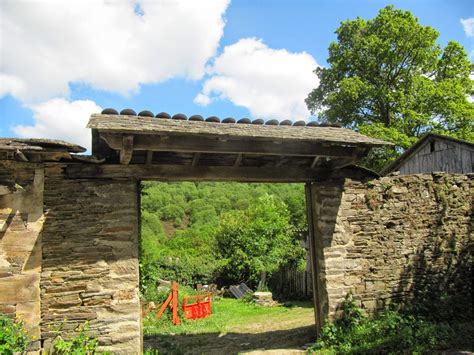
{"type": "Point", "coordinates": [60, 62]}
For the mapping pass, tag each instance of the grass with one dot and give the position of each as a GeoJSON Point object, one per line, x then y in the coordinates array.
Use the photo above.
{"type": "Point", "coordinates": [232, 327]}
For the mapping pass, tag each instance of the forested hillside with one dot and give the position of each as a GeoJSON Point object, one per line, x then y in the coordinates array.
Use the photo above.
{"type": "Point", "coordinates": [188, 228]}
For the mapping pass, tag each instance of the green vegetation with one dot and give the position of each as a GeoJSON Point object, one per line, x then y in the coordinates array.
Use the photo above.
{"type": "Point", "coordinates": [185, 229]}
{"type": "Point", "coordinates": [390, 332]}
{"type": "Point", "coordinates": [389, 79]}
{"type": "Point", "coordinates": [256, 241]}
{"type": "Point", "coordinates": [80, 344]}
{"type": "Point", "coordinates": [13, 337]}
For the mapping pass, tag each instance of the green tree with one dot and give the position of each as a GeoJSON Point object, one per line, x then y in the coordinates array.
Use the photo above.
{"type": "Point", "coordinates": [255, 242]}
{"type": "Point", "coordinates": [388, 78]}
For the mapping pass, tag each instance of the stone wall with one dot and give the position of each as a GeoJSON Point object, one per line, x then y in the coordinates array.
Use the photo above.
{"type": "Point", "coordinates": [90, 259]}
{"type": "Point", "coordinates": [21, 223]}
{"type": "Point", "coordinates": [406, 240]}
{"type": "Point", "coordinates": [69, 248]}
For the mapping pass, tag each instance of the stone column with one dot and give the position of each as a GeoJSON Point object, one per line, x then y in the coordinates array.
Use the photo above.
{"type": "Point", "coordinates": [90, 259]}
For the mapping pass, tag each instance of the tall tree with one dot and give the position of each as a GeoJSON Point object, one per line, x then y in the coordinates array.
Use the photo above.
{"type": "Point", "coordinates": [388, 78]}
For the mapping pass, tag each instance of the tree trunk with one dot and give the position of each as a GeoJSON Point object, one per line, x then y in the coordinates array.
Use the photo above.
{"type": "Point", "coordinates": [262, 284]}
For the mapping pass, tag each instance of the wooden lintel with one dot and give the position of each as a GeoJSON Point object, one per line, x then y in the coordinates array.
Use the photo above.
{"type": "Point", "coordinates": [195, 159]}
{"type": "Point", "coordinates": [238, 160]}
{"type": "Point", "coordinates": [280, 161]}
{"type": "Point", "coordinates": [126, 149]}
{"type": "Point", "coordinates": [149, 157]}
{"type": "Point", "coordinates": [194, 173]}
{"type": "Point", "coordinates": [193, 144]}
{"type": "Point", "coordinates": [315, 161]}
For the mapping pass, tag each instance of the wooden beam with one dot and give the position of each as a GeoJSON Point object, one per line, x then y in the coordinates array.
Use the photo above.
{"type": "Point", "coordinates": [280, 161]}
{"type": "Point", "coordinates": [338, 163]}
{"type": "Point", "coordinates": [149, 157]}
{"type": "Point", "coordinates": [192, 144]}
{"type": "Point", "coordinates": [315, 161]}
{"type": "Point", "coordinates": [238, 160]}
{"type": "Point", "coordinates": [126, 149]}
{"type": "Point", "coordinates": [312, 235]}
{"type": "Point", "coordinates": [195, 159]}
{"type": "Point", "coordinates": [196, 173]}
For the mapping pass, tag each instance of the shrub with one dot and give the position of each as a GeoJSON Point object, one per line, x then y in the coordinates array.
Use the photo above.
{"type": "Point", "coordinates": [80, 344]}
{"type": "Point", "coordinates": [13, 337]}
{"type": "Point", "coordinates": [387, 332]}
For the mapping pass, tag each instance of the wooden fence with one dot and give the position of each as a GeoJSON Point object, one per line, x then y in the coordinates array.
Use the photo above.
{"type": "Point", "coordinates": [291, 283]}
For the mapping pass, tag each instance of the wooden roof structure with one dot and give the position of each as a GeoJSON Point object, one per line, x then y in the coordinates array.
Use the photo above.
{"type": "Point", "coordinates": [450, 159]}
{"type": "Point", "coordinates": [37, 149]}
{"type": "Point", "coordinates": [165, 148]}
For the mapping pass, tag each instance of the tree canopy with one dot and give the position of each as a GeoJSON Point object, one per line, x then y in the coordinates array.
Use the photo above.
{"type": "Point", "coordinates": [388, 78]}
{"type": "Point", "coordinates": [255, 242]}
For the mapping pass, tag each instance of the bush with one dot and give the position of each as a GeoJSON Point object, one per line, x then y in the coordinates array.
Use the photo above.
{"type": "Point", "coordinates": [387, 332]}
{"type": "Point", "coordinates": [13, 337]}
{"type": "Point", "coordinates": [81, 344]}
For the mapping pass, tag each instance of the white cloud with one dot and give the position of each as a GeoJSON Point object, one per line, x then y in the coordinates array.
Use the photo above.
{"type": "Point", "coordinates": [61, 119]}
{"type": "Point", "coordinates": [10, 84]}
{"type": "Point", "coordinates": [45, 45]}
{"type": "Point", "coordinates": [468, 25]}
{"type": "Point", "coordinates": [271, 83]}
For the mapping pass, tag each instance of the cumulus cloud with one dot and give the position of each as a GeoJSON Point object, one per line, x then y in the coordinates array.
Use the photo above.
{"type": "Point", "coordinates": [110, 45]}
{"type": "Point", "coordinates": [10, 84]}
{"type": "Point", "coordinates": [468, 25]}
{"type": "Point", "coordinates": [270, 83]}
{"type": "Point", "coordinates": [60, 118]}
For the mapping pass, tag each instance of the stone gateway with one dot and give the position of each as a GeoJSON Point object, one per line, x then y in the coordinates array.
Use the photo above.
{"type": "Point", "coordinates": [69, 223]}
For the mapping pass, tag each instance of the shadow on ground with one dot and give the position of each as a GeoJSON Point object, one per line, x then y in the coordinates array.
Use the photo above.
{"type": "Point", "coordinates": [230, 343]}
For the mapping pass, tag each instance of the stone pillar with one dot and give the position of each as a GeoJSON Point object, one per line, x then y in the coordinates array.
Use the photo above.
{"type": "Point", "coordinates": [325, 198]}
{"type": "Point", "coordinates": [90, 259]}
{"type": "Point", "coordinates": [21, 223]}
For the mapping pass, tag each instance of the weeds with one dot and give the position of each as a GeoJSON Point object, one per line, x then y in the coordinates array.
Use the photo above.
{"type": "Point", "coordinates": [13, 337]}
{"type": "Point", "coordinates": [388, 332]}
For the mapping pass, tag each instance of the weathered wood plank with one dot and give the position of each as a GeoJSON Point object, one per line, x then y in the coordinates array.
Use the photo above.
{"type": "Point", "coordinates": [238, 160]}
{"type": "Point", "coordinates": [126, 149]}
{"type": "Point", "coordinates": [313, 245]}
{"type": "Point", "coordinates": [210, 145]}
{"type": "Point", "coordinates": [196, 173]}
{"type": "Point", "coordinates": [195, 159]}
{"type": "Point", "coordinates": [315, 161]}
{"type": "Point", "coordinates": [149, 157]}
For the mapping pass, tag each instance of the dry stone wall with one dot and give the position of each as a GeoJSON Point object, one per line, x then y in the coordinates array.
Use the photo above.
{"type": "Point", "coordinates": [21, 223]}
{"type": "Point", "coordinates": [90, 259]}
{"type": "Point", "coordinates": [404, 240]}
{"type": "Point", "coordinates": [69, 248]}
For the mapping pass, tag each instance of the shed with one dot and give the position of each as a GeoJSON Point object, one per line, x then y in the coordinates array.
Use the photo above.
{"type": "Point", "coordinates": [435, 153]}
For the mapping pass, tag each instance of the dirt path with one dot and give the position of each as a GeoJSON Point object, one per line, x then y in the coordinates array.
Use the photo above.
{"type": "Point", "coordinates": [274, 335]}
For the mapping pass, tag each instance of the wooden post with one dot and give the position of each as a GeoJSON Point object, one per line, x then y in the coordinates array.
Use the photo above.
{"type": "Point", "coordinates": [175, 303]}
{"type": "Point", "coordinates": [163, 307]}
{"type": "Point", "coordinates": [311, 220]}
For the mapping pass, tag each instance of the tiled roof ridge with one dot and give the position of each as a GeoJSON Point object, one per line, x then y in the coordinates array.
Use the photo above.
{"type": "Point", "coordinates": [215, 119]}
